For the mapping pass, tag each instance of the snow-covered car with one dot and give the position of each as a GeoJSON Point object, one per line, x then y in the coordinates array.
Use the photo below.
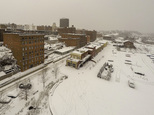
{"type": "Point", "coordinates": [131, 83]}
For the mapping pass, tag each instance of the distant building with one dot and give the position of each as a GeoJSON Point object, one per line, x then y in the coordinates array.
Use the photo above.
{"type": "Point", "coordinates": [44, 28]}
{"type": "Point", "coordinates": [71, 39]}
{"type": "Point", "coordinates": [26, 27]}
{"type": "Point", "coordinates": [66, 30]}
{"type": "Point", "coordinates": [3, 26]}
{"type": "Point", "coordinates": [91, 34]}
{"type": "Point", "coordinates": [129, 44]}
{"type": "Point", "coordinates": [12, 26]}
{"type": "Point", "coordinates": [20, 27]}
{"type": "Point", "coordinates": [54, 27]}
{"type": "Point", "coordinates": [28, 49]}
{"type": "Point", "coordinates": [64, 22]}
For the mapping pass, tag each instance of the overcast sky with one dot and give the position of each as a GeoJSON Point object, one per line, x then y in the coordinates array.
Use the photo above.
{"type": "Point", "coordinates": [88, 14]}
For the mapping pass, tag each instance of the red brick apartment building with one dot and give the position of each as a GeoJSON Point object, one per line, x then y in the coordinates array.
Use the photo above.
{"type": "Point", "coordinates": [71, 39]}
{"type": "Point", "coordinates": [28, 49]}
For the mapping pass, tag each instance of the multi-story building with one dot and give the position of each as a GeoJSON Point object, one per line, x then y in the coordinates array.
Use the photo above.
{"type": "Point", "coordinates": [44, 29]}
{"type": "Point", "coordinates": [71, 39]}
{"type": "Point", "coordinates": [66, 30]}
{"type": "Point", "coordinates": [28, 49]}
{"type": "Point", "coordinates": [64, 22]}
{"type": "Point", "coordinates": [91, 34]}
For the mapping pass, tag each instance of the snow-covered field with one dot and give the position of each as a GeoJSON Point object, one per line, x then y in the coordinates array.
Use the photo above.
{"type": "Point", "coordinates": [85, 94]}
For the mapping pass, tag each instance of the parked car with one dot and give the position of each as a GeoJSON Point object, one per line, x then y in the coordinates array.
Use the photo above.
{"type": "Point", "coordinates": [131, 83]}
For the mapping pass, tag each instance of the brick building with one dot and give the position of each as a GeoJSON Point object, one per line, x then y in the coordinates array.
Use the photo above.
{"type": "Point", "coordinates": [66, 30]}
{"type": "Point", "coordinates": [91, 34]}
{"type": "Point", "coordinates": [70, 39]}
{"type": "Point", "coordinates": [44, 28]}
{"type": "Point", "coordinates": [28, 49]}
{"type": "Point", "coordinates": [129, 44]}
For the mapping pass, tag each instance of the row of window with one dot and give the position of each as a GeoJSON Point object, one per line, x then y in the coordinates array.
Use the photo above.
{"type": "Point", "coordinates": [33, 47]}
{"type": "Point", "coordinates": [32, 38]}
{"type": "Point", "coordinates": [36, 53]}
{"type": "Point", "coordinates": [32, 42]}
{"type": "Point", "coordinates": [37, 57]}
{"type": "Point", "coordinates": [31, 61]}
{"type": "Point", "coordinates": [25, 67]}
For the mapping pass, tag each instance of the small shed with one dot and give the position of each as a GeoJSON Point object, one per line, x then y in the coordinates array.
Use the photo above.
{"type": "Point", "coordinates": [129, 44]}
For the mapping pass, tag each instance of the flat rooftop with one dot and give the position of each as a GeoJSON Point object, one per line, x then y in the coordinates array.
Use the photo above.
{"type": "Point", "coordinates": [26, 34]}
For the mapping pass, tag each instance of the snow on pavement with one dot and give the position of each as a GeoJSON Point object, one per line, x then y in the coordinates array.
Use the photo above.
{"type": "Point", "coordinates": [85, 94]}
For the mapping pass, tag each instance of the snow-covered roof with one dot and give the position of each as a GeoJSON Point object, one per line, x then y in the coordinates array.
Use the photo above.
{"type": "Point", "coordinates": [102, 41]}
{"type": "Point", "coordinates": [65, 49]}
{"type": "Point", "coordinates": [76, 52]}
{"type": "Point", "coordinates": [91, 46]}
{"type": "Point", "coordinates": [53, 38]}
{"type": "Point", "coordinates": [82, 49]}
{"type": "Point", "coordinates": [3, 49]}
{"type": "Point", "coordinates": [2, 73]}
{"type": "Point", "coordinates": [118, 40]}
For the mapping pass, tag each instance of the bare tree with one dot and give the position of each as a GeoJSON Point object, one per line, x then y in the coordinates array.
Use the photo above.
{"type": "Point", "coordinates": [25, 88]}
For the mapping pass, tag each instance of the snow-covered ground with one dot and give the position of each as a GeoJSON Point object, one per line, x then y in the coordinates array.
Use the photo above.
{"type": "Point", "coordinates": [37, 96]}
{"type": "Point", "coordinates": [85, 94]}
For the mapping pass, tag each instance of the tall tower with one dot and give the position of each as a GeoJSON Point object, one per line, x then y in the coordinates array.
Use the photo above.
{"type": "Point", "coordinates": [64, 22]}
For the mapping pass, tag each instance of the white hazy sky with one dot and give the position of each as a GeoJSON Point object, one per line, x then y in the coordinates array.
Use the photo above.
{"type": "Point", "coordinates": [88, 14]}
